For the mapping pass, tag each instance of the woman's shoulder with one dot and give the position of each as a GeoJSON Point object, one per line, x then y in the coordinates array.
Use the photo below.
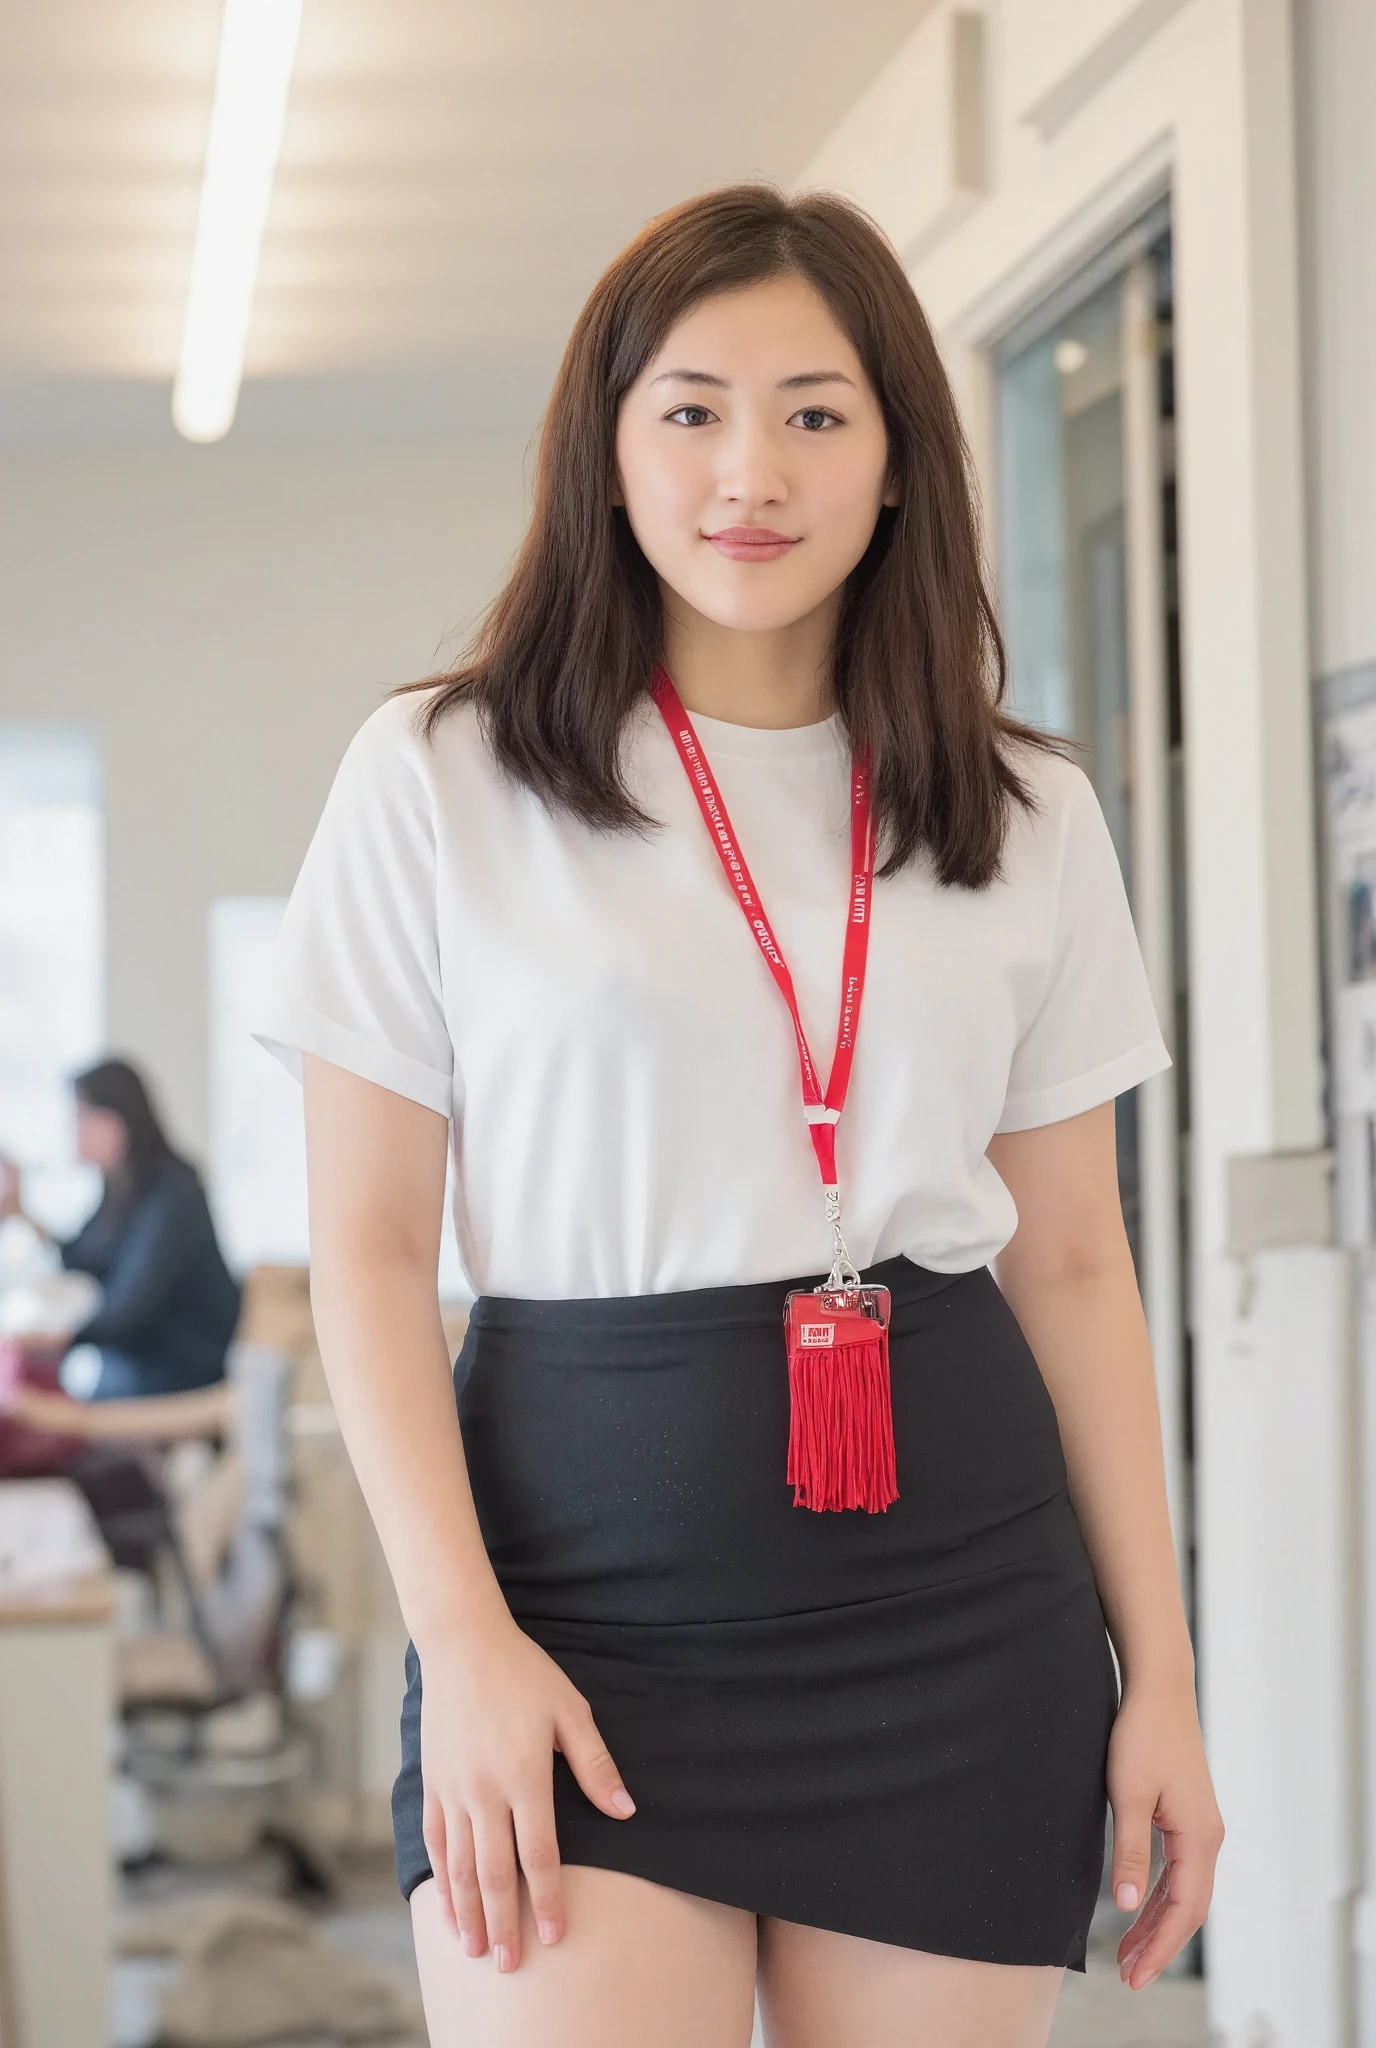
{"type": "Point", "coordinates": [173, 1182]}
{"type": "Point", "coordinates": [169, 1197]}
{"type": "Point", "coordinates": [1063, 811]}
{"type": "Point", "coordinates": [1056, 783]}
{"type": "Point", "coordinates": [393, 766]}
{"type": "Point", "coordinates": [1050, 772]}
{"type": "Point", "coordinates": [394, 735]}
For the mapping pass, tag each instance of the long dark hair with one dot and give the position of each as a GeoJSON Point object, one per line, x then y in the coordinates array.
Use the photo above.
{"type": "Point", "coordinates": [919, 670]}
{"type": "Point", "coordinates": [118, 1086]}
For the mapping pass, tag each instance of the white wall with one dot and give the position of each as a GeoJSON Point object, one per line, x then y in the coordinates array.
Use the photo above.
{"type": "Point", "coordinates": [228, 616]}
{"type": "Point", "coordinates": [1336, 51]}
{"type": "Point", "coordinates": [1336, 65]}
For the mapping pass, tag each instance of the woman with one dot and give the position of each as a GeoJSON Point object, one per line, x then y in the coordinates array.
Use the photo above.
{"type": "Point", "coordinates": [169, 1303]}
{"type": "Point", "coordinates": [684, 1730]}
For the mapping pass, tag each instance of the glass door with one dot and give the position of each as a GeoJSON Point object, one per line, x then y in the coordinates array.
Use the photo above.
{"type": "Point", "coordinates": [1086, 544]}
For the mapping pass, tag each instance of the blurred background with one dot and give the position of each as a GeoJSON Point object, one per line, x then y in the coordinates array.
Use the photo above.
{"type": "Point", "coordinates": [285, 285]}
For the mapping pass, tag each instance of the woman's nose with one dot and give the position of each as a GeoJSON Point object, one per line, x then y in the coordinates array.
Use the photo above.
{"type": "Point", "coordinates": [751, 470]}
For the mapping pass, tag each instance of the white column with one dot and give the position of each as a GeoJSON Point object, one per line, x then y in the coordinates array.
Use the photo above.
{"type": "Point", "coordinates": [1336, 64]}
{"type": "Point", "coordinates": [1278, 1664]}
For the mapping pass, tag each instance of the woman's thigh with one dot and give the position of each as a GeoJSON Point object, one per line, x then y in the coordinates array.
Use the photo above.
{"type": "Point", "coordinates": [638, 1964]}
{"type": "Point", "coordinates": [819, 1989]}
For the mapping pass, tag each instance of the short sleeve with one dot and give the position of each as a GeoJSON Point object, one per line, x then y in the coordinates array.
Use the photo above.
{"type": "Point", "coordinates": [354, 974]}
{"type": "Point", "coordinates": [1092, 1029]}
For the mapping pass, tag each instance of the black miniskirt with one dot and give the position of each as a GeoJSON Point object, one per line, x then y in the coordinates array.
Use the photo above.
{"type": "Point", "coordinates": [890, 1725]}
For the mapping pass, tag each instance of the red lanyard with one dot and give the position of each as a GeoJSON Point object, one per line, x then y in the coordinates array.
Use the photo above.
{"type": "Point", "coordinates": [840, 1440]}
{"type": "Point", "coordinates": [822, 1109]}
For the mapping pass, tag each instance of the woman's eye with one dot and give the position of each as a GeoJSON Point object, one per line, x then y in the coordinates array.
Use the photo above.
{"type": "Point", "coordinates": [691, 415]}
{"type": "Point", "coordinates": [815, 417]}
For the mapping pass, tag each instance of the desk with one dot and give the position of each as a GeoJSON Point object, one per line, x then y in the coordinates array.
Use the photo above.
{"type": "Point", "coordinates": [56, 1706]}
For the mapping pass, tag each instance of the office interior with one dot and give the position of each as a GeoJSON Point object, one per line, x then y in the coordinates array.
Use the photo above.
{"type": "Point", "coordinates": [1142, 230]}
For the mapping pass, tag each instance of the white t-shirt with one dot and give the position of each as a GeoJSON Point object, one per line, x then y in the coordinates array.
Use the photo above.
{"type": "Point", "coordinates": [592, 1012]}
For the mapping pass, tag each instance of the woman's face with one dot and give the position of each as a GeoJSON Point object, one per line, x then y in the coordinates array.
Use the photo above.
{"type": "Point", "coordinates": [752, 459]}
{"type": "Point", "coordinates": [102, 1137]}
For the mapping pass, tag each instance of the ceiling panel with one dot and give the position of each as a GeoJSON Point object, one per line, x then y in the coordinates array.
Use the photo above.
{"type": "Point", "coordinates": [452, 179]}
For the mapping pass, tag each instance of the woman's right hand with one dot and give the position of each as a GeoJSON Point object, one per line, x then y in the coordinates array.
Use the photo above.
{"type": "Point", "coordinates": [493, 1712]}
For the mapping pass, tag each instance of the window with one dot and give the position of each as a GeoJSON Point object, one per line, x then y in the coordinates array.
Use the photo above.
{"type": "Point", "coordinates": [52, 954]}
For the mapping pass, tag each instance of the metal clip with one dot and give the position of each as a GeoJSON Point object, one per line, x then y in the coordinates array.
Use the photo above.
{"type": "Point", "coordinates": [844, 1272]}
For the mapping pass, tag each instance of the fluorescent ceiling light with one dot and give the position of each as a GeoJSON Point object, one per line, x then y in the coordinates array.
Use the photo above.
{"type": "Point", "coordinates": [257, 48]}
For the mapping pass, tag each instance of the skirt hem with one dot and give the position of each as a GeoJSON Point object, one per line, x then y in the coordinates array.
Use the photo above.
{"type": "Point", "coordinates": [1074, 1957]}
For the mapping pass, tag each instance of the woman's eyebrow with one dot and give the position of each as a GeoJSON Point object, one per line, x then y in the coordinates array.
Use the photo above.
{"type": "Point", "coordinates": [806, 378]}
{"type": "Point", "coordinates": [803, 381]}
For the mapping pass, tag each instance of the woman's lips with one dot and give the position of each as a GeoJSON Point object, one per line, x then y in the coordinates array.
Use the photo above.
{"type": "Point", "coordinates": [751, 543]}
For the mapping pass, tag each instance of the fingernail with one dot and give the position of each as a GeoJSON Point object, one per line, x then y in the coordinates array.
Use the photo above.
{"type": "Point", "coordinates": [1149, 1980]}
{"type": "Point", "coordinates": [501, 1956]}
{"type": "Point", "coordinates": [472, 1946]}
{"type": "Point", "coordinates": [1127, 1896]}
{"type": "Point", "coordinates": [548, 1930]}
{"type": "Point", "coordinates": [622, 1800]}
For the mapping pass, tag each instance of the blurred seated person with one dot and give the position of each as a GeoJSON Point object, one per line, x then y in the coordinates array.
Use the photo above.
{"type": "Point", "coordinates": [169, 1303]}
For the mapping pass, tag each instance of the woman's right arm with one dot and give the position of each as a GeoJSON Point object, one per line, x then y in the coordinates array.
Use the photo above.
{"type": "Point", "coordinates": [494, 1705]}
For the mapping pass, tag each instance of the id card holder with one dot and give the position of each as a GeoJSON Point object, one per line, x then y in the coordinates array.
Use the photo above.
{"type": "Point", "coordinates": [822, 1318]}
{"type": "Point", "coordinates": [840, 1432]}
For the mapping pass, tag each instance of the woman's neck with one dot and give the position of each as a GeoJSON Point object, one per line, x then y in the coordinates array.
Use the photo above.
{"type": "Point", "coordinates": [771, 679]}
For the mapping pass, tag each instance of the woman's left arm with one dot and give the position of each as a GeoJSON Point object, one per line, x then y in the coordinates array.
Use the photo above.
{"type": "Point", "coordinates": [154, 1418]}
{"type": "Point", "coordinates": [1067, 1274]}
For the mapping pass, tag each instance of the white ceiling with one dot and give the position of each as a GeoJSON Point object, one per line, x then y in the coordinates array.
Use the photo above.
{"type": "Point", "coordinates": [454, 174]}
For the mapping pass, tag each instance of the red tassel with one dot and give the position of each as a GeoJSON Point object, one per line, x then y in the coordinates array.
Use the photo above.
{"type": "Point", "coordinates": [840, 1435]}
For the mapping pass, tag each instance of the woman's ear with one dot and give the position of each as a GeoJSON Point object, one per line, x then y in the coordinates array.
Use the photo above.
{"type": "Point", "coordinates": [893, 491]}
{"type": "Point", "coordinates": [618, 495]}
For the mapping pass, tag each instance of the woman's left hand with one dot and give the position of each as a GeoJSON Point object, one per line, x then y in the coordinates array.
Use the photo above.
{"type": "Point", "coordinates": [1158, 1777]}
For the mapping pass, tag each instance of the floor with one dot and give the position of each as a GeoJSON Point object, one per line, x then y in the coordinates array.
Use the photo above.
{"type": "Point", "coordinates": [368, 1920]}
{"type": "Point", "coordinates": [1095, 2011]}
